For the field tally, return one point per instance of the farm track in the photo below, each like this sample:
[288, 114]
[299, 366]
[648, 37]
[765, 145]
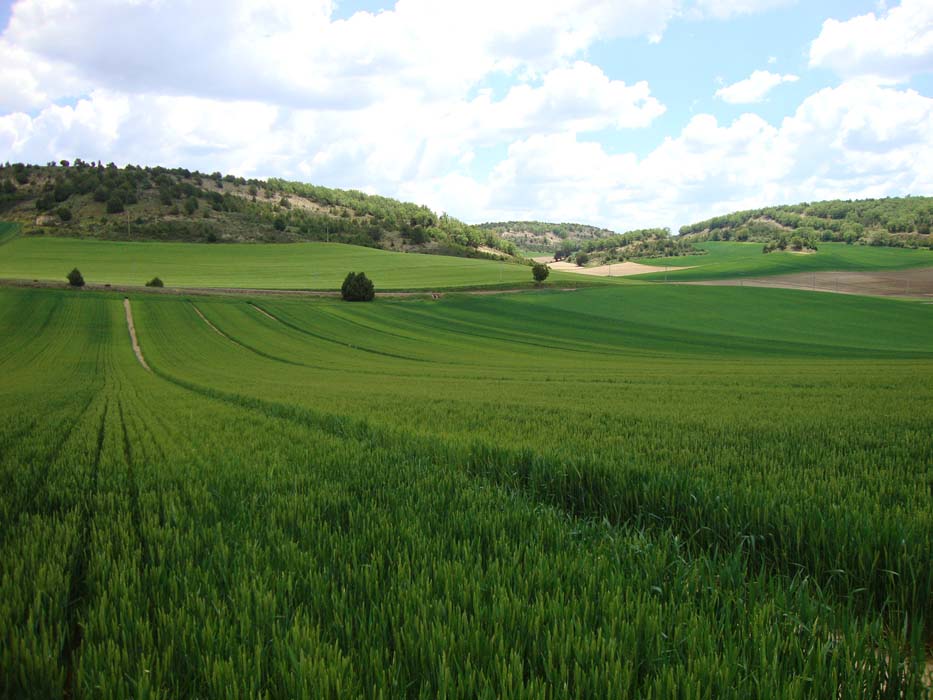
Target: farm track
[261, 292]
[245, 346]
[132, 329]
[326, 339]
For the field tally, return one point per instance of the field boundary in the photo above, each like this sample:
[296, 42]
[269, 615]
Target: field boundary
[910, 283]
[436, 293]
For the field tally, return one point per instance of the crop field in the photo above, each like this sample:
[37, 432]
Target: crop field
[258, 266]
[635, 491]
[729, 259]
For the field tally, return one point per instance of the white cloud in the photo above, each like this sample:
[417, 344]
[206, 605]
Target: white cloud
[397, 103]
[292, 53]
[577, 98]
[754, 88]
[855, 140]
[726, 9]
[893, 45]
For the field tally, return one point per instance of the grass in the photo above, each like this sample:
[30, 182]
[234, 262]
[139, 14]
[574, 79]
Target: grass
[636, 491]
[724, 260]
[319, 266]
[8, 231]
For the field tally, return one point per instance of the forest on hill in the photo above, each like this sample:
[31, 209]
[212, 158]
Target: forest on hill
[903, 222]
[543, 236]
[92, 200]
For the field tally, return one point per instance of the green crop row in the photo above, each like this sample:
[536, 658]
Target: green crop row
[454, 500]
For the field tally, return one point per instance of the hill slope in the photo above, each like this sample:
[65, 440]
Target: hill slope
[542, 236]
[316, 266]
[895, 221]
[89, 200]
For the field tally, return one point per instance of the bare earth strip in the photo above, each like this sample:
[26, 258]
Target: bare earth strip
[211, 325]
[917, 283]
[247, 291]
[133, 340]
[264, 312]
[624, 269]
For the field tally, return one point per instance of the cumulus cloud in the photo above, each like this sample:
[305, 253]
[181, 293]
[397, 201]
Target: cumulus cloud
[291, 52]
[892, 45]
[396, 103]
[725, 9]
[754, 88]
[855, 140]
[578, 98]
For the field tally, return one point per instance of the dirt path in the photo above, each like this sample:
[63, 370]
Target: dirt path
[210, 325]
[915, 284]
[129, 324]
[264, 312]
[624, 269]
[246, 292]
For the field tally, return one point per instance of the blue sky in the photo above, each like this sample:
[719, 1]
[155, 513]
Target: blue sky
[619, 113]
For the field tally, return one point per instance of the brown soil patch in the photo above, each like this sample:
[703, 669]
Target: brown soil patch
[545, 259]
[133, 340]
[489, 251]
[624, 269]
[916, 283]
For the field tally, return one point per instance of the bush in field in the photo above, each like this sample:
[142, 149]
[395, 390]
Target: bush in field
[279, 223]
[75, 278]
[582, 259]
[540, 272]
[155, 282]
[357, 287]
[64, 213]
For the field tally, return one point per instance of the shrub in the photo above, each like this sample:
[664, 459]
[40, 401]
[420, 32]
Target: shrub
[357, 287]
[191, 205]
[582, 259]
[75, 279]
[540, 272]
[115, 204]
[155, 282]
[45, 202]
[64, 213]
[279, 223]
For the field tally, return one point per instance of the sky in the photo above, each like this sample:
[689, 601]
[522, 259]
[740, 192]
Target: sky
[618, 113]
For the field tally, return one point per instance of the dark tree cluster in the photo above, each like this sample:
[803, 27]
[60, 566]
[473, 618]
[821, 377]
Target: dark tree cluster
[357, 287]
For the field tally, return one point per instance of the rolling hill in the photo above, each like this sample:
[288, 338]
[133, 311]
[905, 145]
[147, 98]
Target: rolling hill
[544, 237]
[91, 200]
[901, 222]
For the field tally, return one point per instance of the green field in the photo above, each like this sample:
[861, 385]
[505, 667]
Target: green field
[635, 491]
[724, 260]
[320, 266]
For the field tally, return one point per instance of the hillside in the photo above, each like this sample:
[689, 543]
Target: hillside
[544, 237]
[901, 222]
[91, 200]
[293, 266]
